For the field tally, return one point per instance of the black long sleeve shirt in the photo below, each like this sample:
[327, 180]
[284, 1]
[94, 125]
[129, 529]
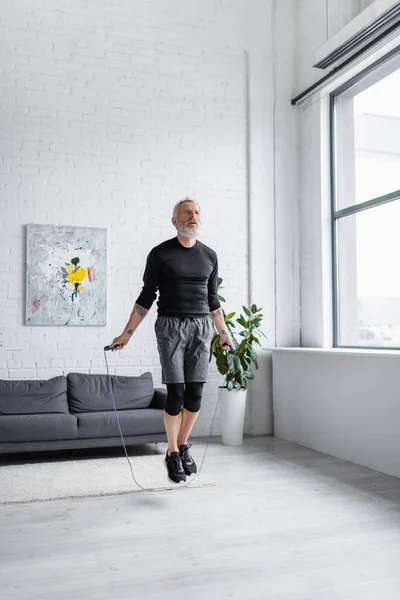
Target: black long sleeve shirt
[186, 279]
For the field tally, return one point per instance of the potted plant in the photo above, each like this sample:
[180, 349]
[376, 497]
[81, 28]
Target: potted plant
[237, 369]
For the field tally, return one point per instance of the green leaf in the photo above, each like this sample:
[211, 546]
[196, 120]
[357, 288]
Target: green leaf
[242, 321]
[220, 280]
[230, 316]
[223, 369]
[253, 309]
[229, 385]
[221, 298]
[246, 310]
[236, 363]
[215, 344]
[237, 385]
[253, 354]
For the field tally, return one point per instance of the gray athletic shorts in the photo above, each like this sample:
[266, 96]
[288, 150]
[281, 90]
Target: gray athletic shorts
[184, 347]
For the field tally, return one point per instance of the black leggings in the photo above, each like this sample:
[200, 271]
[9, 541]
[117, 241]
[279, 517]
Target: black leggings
[187, 395]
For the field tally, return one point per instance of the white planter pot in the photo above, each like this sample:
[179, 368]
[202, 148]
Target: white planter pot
[232, 409]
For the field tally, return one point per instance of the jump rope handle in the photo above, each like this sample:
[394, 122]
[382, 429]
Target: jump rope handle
[107, 348]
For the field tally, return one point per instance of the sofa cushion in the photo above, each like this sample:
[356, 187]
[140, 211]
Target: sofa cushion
[32, 428]
[90, 393]
[133, 422]
[32, 396]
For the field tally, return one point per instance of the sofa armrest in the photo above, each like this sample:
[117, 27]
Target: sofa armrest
[159, 399]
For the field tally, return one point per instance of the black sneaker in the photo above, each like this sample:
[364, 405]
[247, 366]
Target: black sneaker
[188, 463]
[174, 467]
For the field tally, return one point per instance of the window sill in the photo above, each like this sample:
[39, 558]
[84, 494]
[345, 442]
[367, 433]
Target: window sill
[342, 351]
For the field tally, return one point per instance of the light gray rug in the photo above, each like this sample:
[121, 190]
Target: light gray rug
[84, 478]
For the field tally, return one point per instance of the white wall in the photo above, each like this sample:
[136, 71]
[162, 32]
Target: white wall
[342, 403]
[114, 109]
[259, 410]
[286, 181]
[111, 111]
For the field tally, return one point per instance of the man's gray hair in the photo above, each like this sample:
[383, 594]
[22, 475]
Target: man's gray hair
[177, 205]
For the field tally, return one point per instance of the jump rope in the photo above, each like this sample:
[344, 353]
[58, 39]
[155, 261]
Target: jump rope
[178, 485]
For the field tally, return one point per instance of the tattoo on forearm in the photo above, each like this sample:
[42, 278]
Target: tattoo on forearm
[223, 331]
[130, 331]
[216, 313]
[142, 312]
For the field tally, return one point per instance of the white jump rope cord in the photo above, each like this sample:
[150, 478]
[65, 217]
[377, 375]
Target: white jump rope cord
[178, 485]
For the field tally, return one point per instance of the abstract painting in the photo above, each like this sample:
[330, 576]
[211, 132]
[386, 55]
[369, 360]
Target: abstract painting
[66, 275]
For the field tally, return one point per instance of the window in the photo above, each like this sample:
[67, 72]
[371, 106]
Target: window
[365, 118]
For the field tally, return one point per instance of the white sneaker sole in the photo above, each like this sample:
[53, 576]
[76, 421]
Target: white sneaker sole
[191, 475]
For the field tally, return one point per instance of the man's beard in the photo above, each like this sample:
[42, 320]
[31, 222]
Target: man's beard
[188, 232]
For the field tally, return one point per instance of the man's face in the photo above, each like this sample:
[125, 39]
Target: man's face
[188, 220]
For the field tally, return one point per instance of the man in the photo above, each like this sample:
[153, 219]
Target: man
[185, 273]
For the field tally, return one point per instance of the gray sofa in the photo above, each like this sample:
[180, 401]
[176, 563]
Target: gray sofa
[75, 411]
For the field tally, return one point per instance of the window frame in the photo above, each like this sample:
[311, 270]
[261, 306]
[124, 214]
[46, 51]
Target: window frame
[373, 71]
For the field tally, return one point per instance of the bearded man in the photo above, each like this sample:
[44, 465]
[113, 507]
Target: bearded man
[184, 272]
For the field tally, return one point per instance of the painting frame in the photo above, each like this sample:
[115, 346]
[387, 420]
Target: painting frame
[66, 276]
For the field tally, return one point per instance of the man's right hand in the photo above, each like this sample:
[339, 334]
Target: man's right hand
[120, 342]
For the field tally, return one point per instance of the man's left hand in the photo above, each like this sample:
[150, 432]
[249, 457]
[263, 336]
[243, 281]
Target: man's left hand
[225, 341]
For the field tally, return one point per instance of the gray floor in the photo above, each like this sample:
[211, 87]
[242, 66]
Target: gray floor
[283, 523]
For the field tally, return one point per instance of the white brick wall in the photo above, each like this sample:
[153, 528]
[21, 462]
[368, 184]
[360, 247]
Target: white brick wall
[111, 110]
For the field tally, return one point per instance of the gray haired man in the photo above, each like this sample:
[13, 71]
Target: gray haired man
[184, 272]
